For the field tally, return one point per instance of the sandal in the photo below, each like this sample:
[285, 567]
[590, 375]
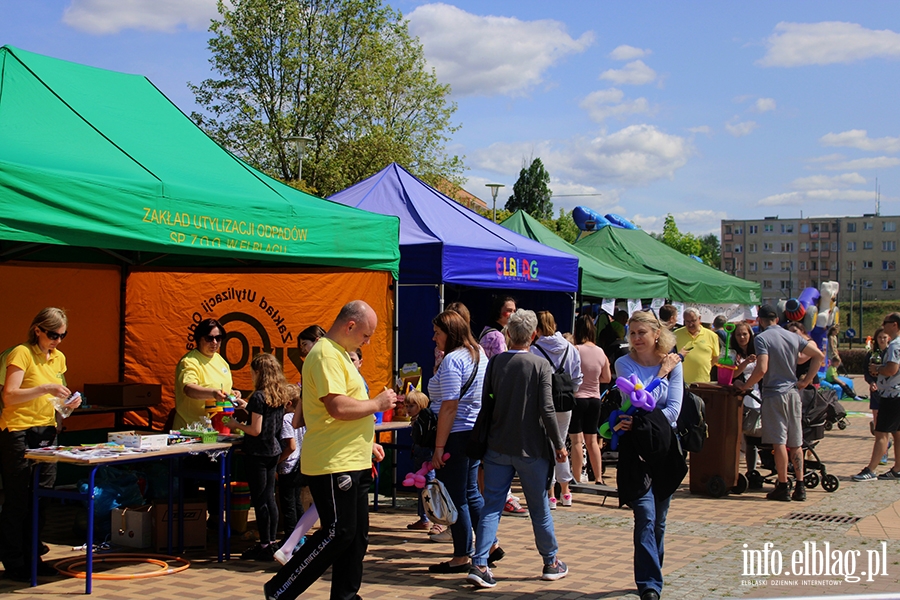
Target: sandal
[446, 567]
[419, 525]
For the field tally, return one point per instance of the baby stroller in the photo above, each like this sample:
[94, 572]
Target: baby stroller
[834, 413]
[816, 407]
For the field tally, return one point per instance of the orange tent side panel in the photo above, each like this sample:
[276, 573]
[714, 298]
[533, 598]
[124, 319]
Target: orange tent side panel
[90, 296]
[261, 312]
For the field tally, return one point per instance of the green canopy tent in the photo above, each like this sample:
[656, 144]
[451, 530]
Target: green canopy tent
[598, 278]
[103, 181]
[96, 159]
[689, 280]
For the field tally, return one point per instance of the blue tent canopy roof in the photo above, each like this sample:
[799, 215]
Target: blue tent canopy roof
[441, 241]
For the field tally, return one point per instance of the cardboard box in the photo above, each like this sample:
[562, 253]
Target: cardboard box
[123, 394]
[194, 525]
[139, 440]
[132, 527]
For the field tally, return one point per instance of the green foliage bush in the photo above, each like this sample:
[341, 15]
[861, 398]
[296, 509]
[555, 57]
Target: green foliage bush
[854, 360]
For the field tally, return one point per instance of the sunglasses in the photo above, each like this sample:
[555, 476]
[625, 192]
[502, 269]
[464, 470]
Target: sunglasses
[212, 338]
[52, 335]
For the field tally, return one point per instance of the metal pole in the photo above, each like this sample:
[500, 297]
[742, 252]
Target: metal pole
[850, 319]
[299, 163]
[860, 306]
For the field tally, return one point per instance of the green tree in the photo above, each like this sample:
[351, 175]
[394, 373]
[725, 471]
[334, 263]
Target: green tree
[706, 247]
[531, 192]
[710, 250]
[345, 73]
[564, 226]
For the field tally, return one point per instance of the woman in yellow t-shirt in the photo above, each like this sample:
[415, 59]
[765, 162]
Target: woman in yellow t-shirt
[35, 375]
[202, 374]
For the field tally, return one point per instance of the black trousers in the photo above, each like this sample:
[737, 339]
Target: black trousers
[342, 500]
[289, 485]
[261, 478]
[15, 518]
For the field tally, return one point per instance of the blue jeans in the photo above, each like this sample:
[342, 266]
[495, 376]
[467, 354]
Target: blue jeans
[419, 456]
[649, 548]
[460, 476]
[499, 470]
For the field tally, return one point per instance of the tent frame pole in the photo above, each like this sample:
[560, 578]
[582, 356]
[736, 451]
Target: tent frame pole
[396, 289]
[440, 298]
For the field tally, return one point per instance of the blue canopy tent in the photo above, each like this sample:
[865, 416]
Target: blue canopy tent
[450, 253]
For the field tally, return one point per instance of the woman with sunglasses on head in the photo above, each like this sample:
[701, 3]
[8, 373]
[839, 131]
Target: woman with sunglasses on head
[35, 376]
[202, 374]
[651, 465]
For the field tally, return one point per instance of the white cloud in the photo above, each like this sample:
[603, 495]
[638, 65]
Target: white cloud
[602, 104]
[633, 156]
[765, 104]
[878, 162]
[698, 222]
[826, 158]
[740, 129]
[488, 55]
[823, 195]
[824, 181]
[859, 139]
[825, 43]
[625, 52]
[634, 73]
[102, 17]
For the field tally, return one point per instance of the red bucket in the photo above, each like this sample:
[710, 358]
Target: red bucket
[218, 425]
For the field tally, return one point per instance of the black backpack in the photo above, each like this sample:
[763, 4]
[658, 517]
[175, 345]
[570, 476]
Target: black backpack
[563, 388]
[691, 424]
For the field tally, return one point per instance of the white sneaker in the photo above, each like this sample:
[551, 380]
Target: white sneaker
[567, 500]
[444, 537]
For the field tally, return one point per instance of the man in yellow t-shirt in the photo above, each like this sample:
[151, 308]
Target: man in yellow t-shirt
[698, 345]
[337, 457]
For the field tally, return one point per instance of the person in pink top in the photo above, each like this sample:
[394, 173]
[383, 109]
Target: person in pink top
[492, 340]
[586, 414]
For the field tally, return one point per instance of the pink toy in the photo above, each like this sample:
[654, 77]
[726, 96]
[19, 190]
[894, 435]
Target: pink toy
[417, 479]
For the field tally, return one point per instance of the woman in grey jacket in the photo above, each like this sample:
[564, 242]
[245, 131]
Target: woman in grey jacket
[552, 346]
[523, 439]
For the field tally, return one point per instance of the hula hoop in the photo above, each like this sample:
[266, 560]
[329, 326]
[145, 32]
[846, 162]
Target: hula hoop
[66, 565]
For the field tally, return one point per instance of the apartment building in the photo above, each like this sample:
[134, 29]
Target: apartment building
[787, 255]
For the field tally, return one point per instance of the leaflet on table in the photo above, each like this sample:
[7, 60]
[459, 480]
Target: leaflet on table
[89, 450]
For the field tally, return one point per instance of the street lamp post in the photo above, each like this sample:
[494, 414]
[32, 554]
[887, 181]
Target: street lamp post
[495, 187]
[300, 142]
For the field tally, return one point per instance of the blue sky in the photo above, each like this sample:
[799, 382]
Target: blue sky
[705, 110]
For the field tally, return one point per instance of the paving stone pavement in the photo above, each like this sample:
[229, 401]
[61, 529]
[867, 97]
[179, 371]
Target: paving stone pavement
[705, 548]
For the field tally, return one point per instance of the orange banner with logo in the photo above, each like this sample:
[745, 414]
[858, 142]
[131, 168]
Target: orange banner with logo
[261, 312]
[90, 296]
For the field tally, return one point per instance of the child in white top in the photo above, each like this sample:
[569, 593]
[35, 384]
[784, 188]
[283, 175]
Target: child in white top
[290, 479]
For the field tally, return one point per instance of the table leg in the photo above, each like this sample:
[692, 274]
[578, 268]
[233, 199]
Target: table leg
[173, 465]
[35, 497]
[220, 518]
[377, 478]
[227, 483]
[89, 565]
